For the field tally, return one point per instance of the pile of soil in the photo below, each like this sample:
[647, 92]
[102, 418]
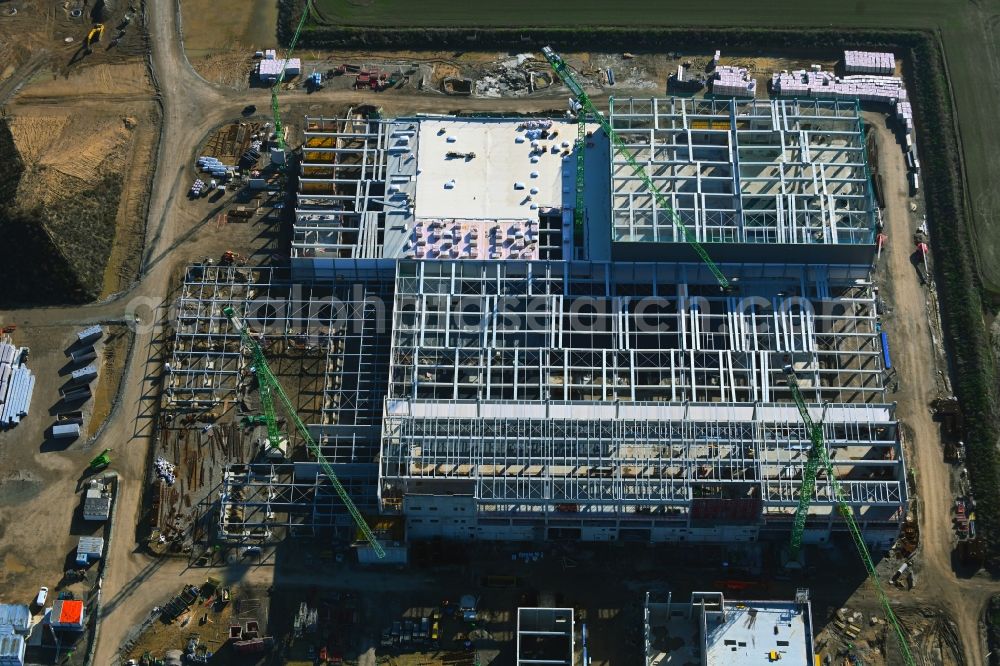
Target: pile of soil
[54, 251]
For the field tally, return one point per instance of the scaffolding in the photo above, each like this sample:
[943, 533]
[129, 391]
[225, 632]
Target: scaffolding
[779, 172]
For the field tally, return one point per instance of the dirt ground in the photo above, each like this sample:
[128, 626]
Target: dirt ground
[112, 365]
[77, 118]
[43, 28]
[913, 324]
[208, 619]
[40, 477]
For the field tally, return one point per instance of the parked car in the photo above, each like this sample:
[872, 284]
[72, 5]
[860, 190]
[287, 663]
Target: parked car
[467, 605]
[397, 631]
[407, 631]
[43, 594]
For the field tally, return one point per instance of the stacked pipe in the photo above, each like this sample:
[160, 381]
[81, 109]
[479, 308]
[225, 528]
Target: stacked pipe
[17, 384]
[165, 471]
[212, 165]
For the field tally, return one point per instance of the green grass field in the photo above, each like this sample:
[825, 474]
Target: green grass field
[970, 31]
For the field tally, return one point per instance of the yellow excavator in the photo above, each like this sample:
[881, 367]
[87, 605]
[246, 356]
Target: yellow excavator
[94, 36]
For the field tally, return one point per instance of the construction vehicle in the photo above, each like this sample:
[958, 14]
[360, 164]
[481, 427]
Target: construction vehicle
[230, 258]
[587, 108]
[258, 419]
[820, 457]
[101, 462]
[94, 36]
[269, 387]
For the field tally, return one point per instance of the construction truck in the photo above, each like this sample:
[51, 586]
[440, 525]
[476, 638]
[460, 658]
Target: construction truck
[94, 36]
[101, 462]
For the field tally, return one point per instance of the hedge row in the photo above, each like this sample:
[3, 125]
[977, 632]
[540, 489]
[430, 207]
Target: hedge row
[968, 344]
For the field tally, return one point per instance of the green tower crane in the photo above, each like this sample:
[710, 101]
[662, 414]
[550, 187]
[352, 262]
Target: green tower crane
[588, 108]
[276, 88]
[820, 457]
[579, 214]
[269, 388]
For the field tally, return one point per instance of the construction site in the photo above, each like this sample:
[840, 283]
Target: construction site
[496, 330]
[478, 358]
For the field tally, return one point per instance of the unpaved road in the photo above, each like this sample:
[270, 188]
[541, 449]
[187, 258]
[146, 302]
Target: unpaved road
[190, 108]
[914, 355]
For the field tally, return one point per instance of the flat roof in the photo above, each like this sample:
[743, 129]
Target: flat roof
[545, 636]
[753, 629]
[68, 611]
[484, 186]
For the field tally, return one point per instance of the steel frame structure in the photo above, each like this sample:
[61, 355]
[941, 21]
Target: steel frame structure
[336, 333]
[357, 189]
[262, 502]
[340, 211]
[503, 331]
[497, 393]
[743, 171]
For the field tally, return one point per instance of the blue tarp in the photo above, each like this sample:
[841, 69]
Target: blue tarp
[885, 351]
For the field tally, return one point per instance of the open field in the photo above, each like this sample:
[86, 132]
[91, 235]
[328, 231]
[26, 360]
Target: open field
[970, 32]
[220, 37]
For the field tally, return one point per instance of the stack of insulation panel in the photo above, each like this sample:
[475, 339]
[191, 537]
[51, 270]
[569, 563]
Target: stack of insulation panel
[270, 68]
[735, 81]
[866, 87]
[904, 114]
[869, 62]
[16, 385]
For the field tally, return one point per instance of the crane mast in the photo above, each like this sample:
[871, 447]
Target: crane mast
[276, 88]
[269, 387]
[818, 456]
[588, 108]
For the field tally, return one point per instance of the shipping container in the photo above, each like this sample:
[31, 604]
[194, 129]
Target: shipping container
[90, 334]
[84, 374]
[83, 355]
[66, 430]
